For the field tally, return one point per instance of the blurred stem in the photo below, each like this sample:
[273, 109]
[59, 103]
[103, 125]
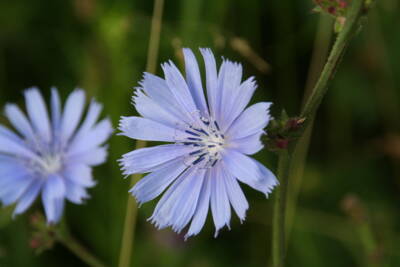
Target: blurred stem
[369, 244]
[321, 49]
[308, 112]
[64, 237]
[128, 236]
[319, 55]
[131, 207]
[278, 234]
[154, 42]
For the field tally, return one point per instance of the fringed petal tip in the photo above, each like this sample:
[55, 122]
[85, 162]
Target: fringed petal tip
[271, 187]
[122, 124]
[124, 168]
[133, 193]
[157, 224]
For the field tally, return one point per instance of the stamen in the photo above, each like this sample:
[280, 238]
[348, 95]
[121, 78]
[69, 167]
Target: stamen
[216, 125]
[208, 138]
[202, 155]
[192, 133]
[195, 152]
[198, 160]
[194, 139]
[201, 131]
[205, 121]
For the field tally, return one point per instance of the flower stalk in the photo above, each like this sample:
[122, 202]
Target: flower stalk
[81, 252]
[131, 207]
[279, 225]
[320, 54]
[45, 236]
[350, 27]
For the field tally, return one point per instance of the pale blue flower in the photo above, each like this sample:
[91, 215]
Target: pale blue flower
[211, 141]
[51, 155]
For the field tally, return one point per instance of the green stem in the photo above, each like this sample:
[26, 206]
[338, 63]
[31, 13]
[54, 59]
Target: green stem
[128, 236]
[278, 234]
[308, 112]
[369, 244]
[319, 56]
[131, 207]
[155, 33]
[320, 53]
[344, 37]
[63, 236]
[75, 247]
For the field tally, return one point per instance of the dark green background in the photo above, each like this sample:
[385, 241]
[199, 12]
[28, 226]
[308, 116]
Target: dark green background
[101, 45]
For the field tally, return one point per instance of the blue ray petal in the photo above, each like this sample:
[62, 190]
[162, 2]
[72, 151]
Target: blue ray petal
[221, 210]
[38, 114]
[249, 171]
[153, 184]
[254, 119]
[194, 80]
[72, 114]
[53, 195]
[147, 159]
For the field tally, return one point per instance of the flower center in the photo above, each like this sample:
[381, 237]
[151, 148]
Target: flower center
[50, 164]
[208, 139]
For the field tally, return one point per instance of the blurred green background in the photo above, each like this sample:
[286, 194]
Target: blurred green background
[348, 199]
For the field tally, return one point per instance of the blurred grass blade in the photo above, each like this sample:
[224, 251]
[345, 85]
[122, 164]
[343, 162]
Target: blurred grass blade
[131, 207]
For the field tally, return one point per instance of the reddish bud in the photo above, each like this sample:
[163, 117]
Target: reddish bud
[294, 123]
[282, 143]
[342, 4]
[34, 243]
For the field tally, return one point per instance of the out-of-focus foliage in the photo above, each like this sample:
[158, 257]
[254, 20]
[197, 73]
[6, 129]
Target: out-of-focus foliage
[101, 45]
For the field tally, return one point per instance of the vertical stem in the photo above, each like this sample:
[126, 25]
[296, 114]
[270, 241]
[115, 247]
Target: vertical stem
[320, 52]
[349, 29]
[319, 55]
[309, 111]
[131, 207]
[128, 236]
[369, 244]
[278, 234]
[154, 43]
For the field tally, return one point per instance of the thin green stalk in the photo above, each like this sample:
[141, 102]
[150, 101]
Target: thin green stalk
[131, 207]
[128, 236]
[154, 43]
[370, 247]
[278, 227]
[322, 43]
[349, 29]
[320, 53]
[63, 236]
[308, 112]
[81, 252]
